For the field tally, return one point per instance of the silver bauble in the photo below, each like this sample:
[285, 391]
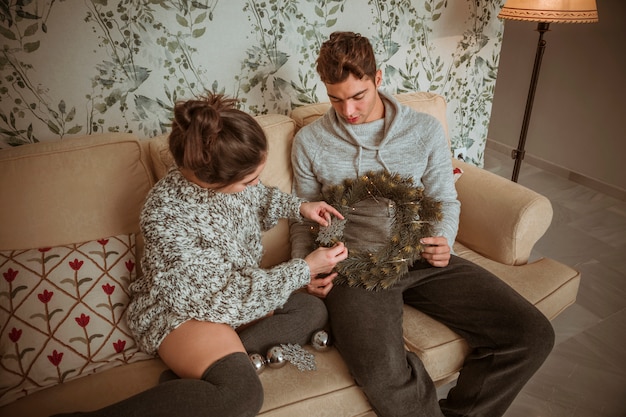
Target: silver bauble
[276, 357]
[258, 362]
[320, 340]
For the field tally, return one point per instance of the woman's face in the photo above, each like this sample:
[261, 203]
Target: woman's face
[236, 187]
[249, 180]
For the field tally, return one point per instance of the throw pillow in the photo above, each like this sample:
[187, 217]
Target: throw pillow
[63, 313]
[457, 173]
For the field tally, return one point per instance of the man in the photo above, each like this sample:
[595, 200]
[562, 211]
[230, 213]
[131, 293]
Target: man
[368, 130]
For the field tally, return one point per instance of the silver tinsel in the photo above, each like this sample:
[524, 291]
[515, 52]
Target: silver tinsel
[300, 358]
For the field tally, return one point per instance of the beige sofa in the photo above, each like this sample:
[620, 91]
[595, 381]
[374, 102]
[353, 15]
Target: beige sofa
[84, 189]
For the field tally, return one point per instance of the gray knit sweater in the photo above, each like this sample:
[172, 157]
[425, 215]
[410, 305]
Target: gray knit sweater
[202, 256]
[406, 142]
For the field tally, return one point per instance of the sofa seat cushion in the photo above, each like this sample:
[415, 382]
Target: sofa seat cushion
[441, 350]
[89, 393]
[62, 313]
[553, 286]
[552, 289]
[288, 391]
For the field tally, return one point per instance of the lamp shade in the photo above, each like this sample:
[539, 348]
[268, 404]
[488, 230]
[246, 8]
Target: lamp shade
[551, 11]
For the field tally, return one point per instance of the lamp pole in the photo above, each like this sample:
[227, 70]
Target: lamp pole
[518, 154]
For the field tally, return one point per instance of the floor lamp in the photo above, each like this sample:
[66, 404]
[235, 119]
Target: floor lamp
[544, 12]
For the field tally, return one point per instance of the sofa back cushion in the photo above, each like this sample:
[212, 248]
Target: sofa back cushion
[71, 190]
[421, 101]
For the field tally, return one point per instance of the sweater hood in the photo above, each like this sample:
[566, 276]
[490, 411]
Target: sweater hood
[344, 131]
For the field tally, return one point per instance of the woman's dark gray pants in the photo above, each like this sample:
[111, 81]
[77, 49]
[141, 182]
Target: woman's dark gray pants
[509, 338]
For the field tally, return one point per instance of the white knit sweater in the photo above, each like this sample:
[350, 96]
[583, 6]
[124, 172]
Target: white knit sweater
[202, 255]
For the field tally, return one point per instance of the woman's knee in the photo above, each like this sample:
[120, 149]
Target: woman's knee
[239, 386]
[310, 306]
[317, 310]
[246, 396]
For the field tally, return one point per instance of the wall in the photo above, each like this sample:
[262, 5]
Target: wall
[577, 123]
[81, 67]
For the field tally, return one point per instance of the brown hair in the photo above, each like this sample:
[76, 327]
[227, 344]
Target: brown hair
[346, 53]
[217, 142]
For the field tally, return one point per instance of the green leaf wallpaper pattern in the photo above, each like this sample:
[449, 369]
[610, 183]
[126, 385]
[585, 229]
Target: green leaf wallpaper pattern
[75, 68]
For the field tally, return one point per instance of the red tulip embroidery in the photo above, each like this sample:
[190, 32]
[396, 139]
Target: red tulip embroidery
[55, 358]
[119, 348]
[130, 265]
[45, 296]
[108, 288]
[82, 321]
[10, 274]
[119, 345]
[15, 334]
[76, 264]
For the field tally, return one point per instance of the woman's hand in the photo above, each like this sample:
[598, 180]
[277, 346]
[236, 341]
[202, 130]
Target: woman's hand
[319, 211]
[321, 263]
[436, 250]
[320, 287]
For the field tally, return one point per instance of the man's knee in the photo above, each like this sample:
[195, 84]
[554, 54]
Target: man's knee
[541, 338]
[531, 341]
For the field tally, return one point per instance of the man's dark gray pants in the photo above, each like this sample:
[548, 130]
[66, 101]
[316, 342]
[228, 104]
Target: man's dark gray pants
[509, 338]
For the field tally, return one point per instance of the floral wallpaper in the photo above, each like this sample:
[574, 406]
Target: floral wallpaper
[73, 68]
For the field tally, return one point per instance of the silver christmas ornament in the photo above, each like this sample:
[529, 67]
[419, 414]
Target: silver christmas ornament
[320, 340]
[276, 357]
[258, 362]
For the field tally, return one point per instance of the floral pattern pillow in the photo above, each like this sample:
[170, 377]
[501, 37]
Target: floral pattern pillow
[63, 313]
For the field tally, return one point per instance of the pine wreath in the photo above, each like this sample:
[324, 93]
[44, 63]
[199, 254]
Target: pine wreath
[415, 215]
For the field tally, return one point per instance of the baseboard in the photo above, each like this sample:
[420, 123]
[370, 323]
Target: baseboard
[576, 177]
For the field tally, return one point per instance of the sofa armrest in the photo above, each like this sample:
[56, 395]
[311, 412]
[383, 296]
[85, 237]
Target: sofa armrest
[500, 219]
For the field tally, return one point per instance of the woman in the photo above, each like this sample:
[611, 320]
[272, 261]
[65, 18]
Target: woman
[202, 281]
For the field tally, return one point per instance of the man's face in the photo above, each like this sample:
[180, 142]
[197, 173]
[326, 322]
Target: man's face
[357, 100]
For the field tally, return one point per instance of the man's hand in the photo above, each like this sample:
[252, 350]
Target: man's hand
[319, 211]
[436, 250]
